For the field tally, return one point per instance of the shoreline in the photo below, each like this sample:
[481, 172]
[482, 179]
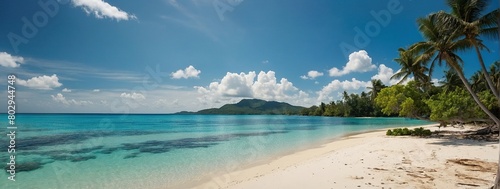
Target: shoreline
[294, 167]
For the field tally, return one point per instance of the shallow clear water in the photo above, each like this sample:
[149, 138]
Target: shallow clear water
[150, 151]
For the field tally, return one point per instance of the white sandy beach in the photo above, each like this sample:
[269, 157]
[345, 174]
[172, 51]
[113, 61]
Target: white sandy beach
[374, 160]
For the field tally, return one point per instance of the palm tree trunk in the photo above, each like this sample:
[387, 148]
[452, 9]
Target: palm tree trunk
[487, 75]
[485, 110]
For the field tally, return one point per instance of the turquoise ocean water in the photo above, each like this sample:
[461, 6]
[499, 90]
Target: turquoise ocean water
[151, 151]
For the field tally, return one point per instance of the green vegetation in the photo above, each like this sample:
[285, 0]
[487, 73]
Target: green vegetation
[408, 132]
[253, 107]
[453, 105]
[351, 105]
[405, 101]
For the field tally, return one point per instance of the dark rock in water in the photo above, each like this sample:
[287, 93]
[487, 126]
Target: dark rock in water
[72, 158]
[129, 146]
[27, 166]
[86, 150]
[61, 157]
[154, 150]
[82, 158]
[108, 150]
[33, 143]
[132, 155]
[156, 146]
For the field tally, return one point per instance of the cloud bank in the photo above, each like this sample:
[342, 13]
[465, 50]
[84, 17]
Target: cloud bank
[61, 99]
[264, 86]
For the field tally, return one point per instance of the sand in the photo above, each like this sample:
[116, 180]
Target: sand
[374, 160]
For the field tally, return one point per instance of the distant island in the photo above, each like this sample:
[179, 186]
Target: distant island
[251, 107]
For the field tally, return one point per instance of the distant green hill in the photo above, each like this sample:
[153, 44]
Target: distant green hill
[252, 107]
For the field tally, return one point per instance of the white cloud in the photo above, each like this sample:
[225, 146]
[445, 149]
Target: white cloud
[190, 71]
[436, 82]
[313, 74]
[233, 84]
[41, 82]
[66, 90]
[384, 74]
[61, 99]
[358, 62]
[133, 96]
[133, 100]
[250, 85]
[340, 86]
[102, 9]
[7, 60]
[265, 62]
[96, 90]
[267, 87]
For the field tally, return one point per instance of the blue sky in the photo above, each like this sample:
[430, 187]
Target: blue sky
[172, 55]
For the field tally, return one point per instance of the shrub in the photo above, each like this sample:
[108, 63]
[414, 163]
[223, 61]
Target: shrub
[426, 132]
[406, 132]
[388, 133]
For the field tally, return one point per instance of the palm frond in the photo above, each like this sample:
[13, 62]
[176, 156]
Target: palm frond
[462, 45]
[491, 33]
[399, 75]
[489, 20]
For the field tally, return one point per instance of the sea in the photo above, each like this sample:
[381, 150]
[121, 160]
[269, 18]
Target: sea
[159, 151]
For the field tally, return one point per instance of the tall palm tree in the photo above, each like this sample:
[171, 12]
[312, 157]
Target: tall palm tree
[495, 75]
[468, 17]
[376, 87]
[442, 43]
[477, 82]
[410, 65]
[451, 81]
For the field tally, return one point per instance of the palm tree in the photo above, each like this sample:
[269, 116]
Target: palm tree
[410, 65]
[451, 81]
[495, 75]
[477, 82]
[467, 16]
[376, 87]
[442, 43]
